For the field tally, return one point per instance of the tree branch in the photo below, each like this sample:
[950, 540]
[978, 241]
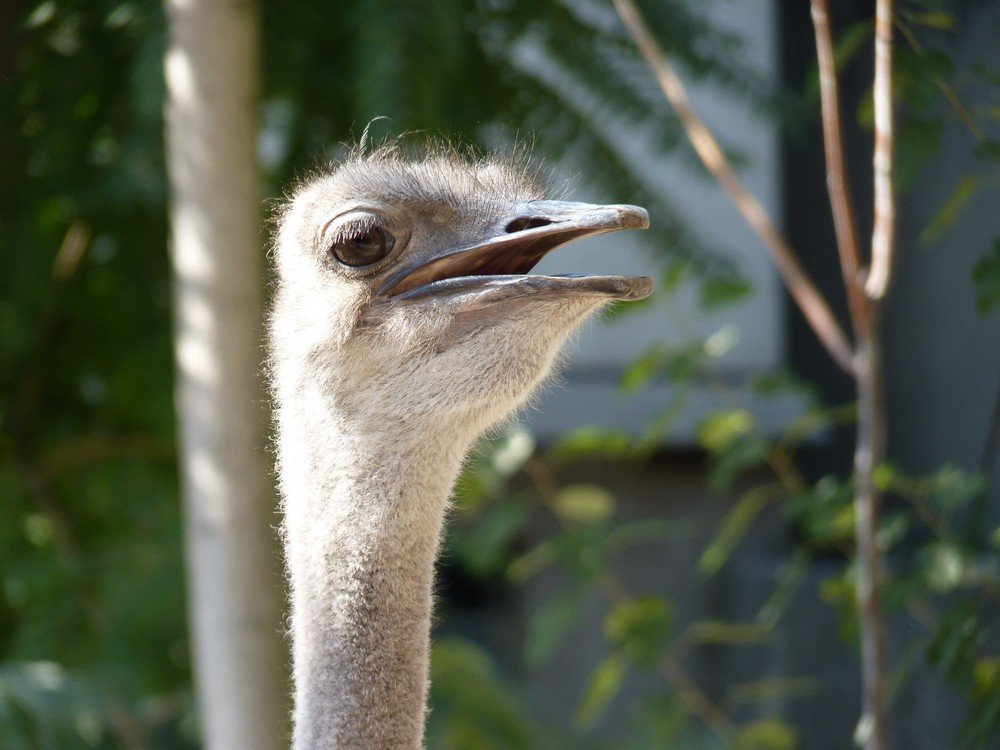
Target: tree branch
[837, 181]
[864, 303]
[883, 235]
[805, 293]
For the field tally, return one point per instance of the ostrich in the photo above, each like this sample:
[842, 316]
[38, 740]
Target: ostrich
[404, 326]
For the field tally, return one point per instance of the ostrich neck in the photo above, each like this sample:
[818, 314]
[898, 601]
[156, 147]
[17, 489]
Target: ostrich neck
[363, 520]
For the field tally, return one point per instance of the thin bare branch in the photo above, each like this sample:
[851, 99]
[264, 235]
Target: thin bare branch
[805, 293]
[883, 235]
[837, 180]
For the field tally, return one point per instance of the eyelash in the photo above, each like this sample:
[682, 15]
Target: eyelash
[353, 228]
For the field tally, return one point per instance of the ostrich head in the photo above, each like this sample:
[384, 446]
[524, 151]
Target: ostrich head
[404, 287]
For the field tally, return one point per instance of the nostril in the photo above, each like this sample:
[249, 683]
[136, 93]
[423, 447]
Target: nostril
[527, 222]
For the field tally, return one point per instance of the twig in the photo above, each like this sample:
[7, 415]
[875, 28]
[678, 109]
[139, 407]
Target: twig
[805, 293]
[883, 235]
[943, 85]
[697, 702]
[837, 181]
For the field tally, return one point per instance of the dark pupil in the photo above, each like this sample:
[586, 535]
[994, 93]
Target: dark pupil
[364, 249]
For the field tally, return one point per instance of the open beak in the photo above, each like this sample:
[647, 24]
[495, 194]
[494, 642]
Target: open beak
[497, 268]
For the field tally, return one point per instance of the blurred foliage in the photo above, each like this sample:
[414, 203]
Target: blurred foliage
[92, 645]
[943, 578]
[93, 651]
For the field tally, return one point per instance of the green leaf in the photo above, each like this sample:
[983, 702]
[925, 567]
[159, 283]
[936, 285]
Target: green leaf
[590, 442]
[533, 561]
[851, 42]
[826, 514]
[766, 734]
[886, 476]
[946, 566]
[640, 627]
[720, 430]
[952, 487]
[758, 691]
[674, 275]
[722, 290]
[949, 213]
[585, 504]
[734, 527]
[748, 453]
[892, 529]
[990, 149]
[941, 20]
[549, 624]
[473, 706]
[986, 275]
[581, 548]
[722, 633]
[605, 683]
[644, 369]
[484, 547]
[957, 641]
[658, 722]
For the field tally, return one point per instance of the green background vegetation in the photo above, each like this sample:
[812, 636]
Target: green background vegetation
[93, 650]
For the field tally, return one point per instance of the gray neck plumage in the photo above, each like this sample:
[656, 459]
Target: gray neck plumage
[363, 521]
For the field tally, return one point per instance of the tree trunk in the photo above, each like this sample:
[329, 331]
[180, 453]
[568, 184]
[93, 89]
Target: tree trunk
[234, 579]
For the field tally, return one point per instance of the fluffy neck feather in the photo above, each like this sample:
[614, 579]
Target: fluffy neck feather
[364, 511]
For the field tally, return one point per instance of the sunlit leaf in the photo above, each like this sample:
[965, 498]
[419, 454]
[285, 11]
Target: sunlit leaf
[720, 430]
[605, 683]
[590, 442]
[766, 734]
[940, 19]
[584, 503]
[946, 566]
[640, 627]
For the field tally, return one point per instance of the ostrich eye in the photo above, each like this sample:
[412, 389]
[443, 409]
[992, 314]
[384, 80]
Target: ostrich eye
[362, 248]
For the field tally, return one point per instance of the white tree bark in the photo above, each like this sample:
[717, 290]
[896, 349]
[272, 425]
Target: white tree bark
[234, 578]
